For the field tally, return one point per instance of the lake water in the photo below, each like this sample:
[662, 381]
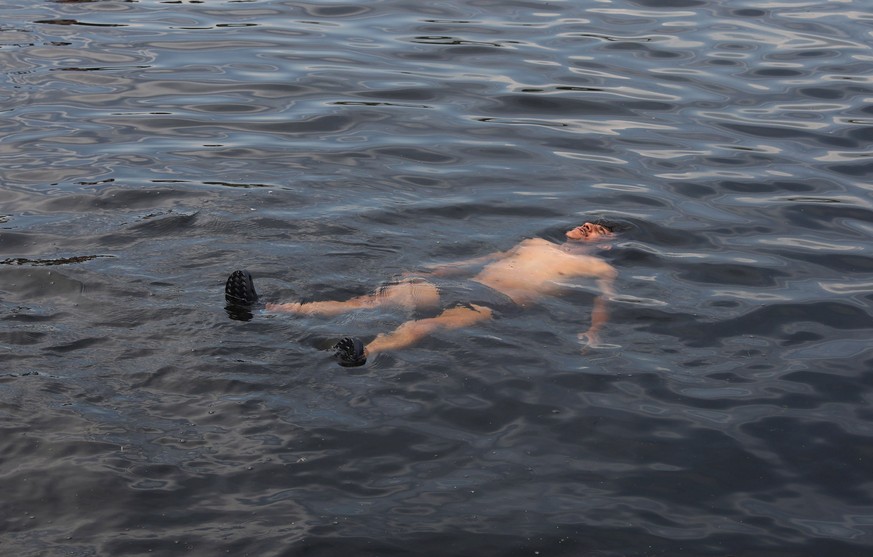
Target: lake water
[149, 148]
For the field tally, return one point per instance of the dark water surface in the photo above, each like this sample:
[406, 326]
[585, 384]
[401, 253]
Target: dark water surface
[148, 148]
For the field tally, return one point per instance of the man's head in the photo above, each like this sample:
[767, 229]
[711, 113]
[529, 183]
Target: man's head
[589, 232]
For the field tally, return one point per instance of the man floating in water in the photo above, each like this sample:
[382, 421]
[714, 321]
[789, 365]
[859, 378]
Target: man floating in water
[506, 281]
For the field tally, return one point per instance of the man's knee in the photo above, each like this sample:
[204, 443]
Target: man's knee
[485, 312]
[465, 315]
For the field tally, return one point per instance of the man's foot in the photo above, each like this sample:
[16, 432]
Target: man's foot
[240, 295]
[240, 289]
[349, 352]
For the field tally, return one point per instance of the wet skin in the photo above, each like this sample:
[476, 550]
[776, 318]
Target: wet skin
[527, 272]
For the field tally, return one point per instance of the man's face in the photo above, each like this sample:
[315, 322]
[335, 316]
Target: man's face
[588, 232]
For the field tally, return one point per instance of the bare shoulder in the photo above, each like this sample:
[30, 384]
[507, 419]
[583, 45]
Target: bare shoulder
[592, 266]
[530, 248]
[535, 243]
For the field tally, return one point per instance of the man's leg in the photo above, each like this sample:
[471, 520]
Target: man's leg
[412, 331]
[408, 294]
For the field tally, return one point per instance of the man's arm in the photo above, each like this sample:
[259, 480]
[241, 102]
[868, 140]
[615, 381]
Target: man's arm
[599, 313]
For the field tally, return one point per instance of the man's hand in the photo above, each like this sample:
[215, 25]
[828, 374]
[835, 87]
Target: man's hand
[588, 339]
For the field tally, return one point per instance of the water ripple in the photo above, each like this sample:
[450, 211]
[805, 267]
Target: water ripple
[147, 148]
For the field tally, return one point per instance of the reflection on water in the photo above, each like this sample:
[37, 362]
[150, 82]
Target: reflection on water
[149, 148]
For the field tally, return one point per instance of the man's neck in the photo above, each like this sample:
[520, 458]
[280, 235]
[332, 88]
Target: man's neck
[575, 247]
[583, 247]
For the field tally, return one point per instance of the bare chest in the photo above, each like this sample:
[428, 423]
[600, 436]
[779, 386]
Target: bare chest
[536, 263]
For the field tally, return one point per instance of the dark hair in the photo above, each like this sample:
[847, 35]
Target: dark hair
[613, 225]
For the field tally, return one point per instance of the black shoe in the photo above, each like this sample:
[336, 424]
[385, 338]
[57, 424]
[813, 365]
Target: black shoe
[240, 295]
[240, 289]
[349, 352]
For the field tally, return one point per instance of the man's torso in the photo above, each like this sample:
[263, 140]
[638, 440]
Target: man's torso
[533, 268]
